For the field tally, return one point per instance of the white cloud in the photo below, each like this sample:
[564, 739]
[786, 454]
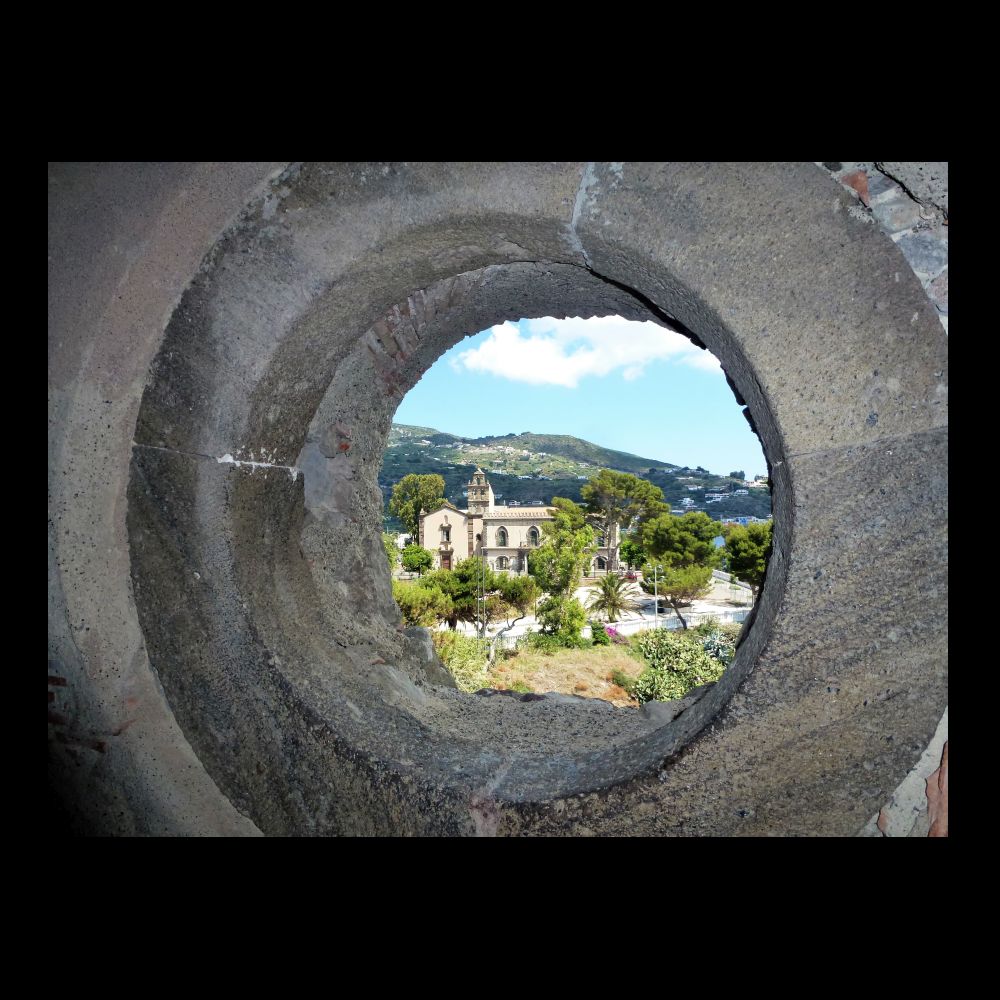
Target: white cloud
[704, 361]
[563, 351]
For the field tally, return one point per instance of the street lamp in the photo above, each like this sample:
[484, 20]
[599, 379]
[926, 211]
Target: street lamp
[656, 596]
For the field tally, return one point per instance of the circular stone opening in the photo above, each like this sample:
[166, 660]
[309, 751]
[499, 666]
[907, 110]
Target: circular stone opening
[594, 394]
[255, 515]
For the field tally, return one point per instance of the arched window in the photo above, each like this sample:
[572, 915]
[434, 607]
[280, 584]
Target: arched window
[533, 536]
[601, 563]
[502, 537]
[501, 561]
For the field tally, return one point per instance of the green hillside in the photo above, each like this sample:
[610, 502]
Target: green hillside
[526, 467]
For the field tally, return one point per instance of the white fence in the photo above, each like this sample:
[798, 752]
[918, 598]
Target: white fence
[633, 625]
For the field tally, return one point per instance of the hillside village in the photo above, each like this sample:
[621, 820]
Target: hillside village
[530, 469]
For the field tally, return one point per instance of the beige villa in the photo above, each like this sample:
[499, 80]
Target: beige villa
[504, 535]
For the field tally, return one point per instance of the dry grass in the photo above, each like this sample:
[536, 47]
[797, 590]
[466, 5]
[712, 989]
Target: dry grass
[584, 672]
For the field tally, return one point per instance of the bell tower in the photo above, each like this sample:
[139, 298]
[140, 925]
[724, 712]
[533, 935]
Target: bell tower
[480, 493]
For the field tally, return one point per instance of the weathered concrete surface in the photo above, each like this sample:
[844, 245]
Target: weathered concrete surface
[124, 241]
[262, 588]
[927, 182]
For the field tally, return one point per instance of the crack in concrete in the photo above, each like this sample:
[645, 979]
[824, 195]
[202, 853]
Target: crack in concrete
[226, 459]
[909, 193]
[891, 440]
[587, 180]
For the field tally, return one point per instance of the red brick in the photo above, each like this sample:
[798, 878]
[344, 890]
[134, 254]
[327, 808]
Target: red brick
[858, 181]
[937, 798]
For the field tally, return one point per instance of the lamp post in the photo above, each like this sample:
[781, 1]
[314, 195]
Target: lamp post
[481, 601]
[656, 596]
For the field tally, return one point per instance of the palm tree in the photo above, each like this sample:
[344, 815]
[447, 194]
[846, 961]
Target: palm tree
[611, 598]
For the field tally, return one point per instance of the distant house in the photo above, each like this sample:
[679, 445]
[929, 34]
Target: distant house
[502, 535]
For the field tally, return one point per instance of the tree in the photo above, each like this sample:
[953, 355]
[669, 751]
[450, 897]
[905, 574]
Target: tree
[417, 559]
[620, 499]
[748, 550]
[518, 595]
[564, 618]
[557, 565]
[738, 474]
[632, 552]
[678, 585]
[414, 493]
[391, 550]
[420, 605]
[481, 596]
[611, 598]
[684, 540]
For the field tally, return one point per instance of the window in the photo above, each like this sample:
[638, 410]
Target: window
[446, 533]
[502, 537]
[533, 536]
[501, 562]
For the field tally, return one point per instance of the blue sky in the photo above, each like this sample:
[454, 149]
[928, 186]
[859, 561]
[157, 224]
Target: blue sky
[631, 386]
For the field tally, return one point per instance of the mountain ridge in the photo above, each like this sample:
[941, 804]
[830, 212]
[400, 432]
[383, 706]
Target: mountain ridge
[530, 468]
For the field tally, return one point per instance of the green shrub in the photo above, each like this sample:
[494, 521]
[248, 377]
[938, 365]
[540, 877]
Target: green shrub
[718, 639]
[391, 549]
[731, 630]
[598, 635]
[465, 658]
[540, 642]
[675, 665]
[719, 647]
